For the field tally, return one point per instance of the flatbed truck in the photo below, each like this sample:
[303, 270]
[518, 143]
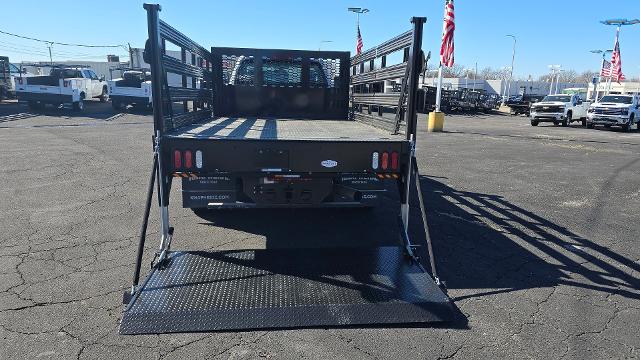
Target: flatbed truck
[270, 128]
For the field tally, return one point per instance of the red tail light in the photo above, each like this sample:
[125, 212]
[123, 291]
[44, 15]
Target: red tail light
[188, 159]
[384, 163]
[394, 160]
[177, 159]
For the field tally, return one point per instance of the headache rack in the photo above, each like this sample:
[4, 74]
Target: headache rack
[280, 288]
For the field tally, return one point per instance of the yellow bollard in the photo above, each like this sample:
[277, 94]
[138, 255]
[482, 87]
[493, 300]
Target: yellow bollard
[436, 121]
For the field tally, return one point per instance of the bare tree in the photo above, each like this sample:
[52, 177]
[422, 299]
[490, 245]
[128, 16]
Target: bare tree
[453, 72]
[569, 76]
[587, 76]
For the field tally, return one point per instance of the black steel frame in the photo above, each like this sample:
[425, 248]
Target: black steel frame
[200, 68]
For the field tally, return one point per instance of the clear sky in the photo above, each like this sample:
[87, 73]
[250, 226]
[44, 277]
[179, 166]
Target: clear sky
[548, 32]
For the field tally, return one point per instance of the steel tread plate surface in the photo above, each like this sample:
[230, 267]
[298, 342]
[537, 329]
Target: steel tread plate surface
[284, 288]
[283, 129]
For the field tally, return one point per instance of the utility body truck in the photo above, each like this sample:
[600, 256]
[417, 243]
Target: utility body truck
[132, 88]
[65, 85]
[615, 110]
[5, 78]
[559, 109]
[8, 73]
[280, 128]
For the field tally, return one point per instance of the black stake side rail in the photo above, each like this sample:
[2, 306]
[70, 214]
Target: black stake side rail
[369, 102]
[195, 63]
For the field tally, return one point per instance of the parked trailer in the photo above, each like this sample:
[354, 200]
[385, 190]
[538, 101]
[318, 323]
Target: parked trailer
[277, 135]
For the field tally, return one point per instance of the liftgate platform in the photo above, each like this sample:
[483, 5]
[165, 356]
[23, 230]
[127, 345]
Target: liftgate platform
[279, 288]
[289, 288]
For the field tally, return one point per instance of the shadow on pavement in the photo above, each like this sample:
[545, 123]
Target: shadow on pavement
[13, 111]
[482, 242]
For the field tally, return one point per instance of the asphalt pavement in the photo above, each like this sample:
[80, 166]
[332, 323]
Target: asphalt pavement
[535, 231]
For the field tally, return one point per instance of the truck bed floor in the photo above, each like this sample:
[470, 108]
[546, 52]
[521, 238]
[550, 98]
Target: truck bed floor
[284, 129]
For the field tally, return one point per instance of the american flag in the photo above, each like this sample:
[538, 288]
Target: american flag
[359, 42]
[606, 69]
[446, 50]
[616, 63]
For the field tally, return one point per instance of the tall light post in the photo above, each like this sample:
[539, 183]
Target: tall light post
[466, 77]
[504, 88]
[595, 86]
[618, 23]
[475, 76]
[323, 42]
[513, 58]
[358, 11]
[554, 69]
[558, 79]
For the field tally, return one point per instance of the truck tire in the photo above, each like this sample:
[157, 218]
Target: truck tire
[34, 105]
[567, 119]
[79, 105]
[105, 95]
[589, 125]
[584, 122]
[534, 123]
[627, 126]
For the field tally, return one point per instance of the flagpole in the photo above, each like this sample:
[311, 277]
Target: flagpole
[597, 84]
[614, 49]
[439, 88]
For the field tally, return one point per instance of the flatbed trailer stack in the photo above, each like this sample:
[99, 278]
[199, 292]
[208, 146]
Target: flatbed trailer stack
[280, 128]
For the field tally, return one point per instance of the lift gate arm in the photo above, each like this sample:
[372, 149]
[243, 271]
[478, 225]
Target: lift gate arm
[274, 288]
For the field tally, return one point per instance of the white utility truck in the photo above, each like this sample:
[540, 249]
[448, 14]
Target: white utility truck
[559, 108]
[133, 88]
[615, 110]
[65, 85]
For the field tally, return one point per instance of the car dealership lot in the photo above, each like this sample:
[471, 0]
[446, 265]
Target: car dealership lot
[535, 228]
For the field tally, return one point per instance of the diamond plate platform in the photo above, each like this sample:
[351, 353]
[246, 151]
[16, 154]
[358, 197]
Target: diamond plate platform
[284, 288]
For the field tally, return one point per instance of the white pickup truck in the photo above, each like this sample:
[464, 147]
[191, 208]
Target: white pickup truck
[133, 88]
[615, 110]
[560, 108]
[63, 86]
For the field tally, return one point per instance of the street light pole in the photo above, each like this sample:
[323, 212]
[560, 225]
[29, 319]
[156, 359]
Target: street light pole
[513, 58]
[554, 69]
[475, 76]
[597, 84]
[323, 41]
[558, 79]
[618, 23]
[358, 11]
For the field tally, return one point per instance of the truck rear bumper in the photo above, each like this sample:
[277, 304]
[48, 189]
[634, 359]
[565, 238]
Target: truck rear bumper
[251, 191]
[45, 98]
[283, 156]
